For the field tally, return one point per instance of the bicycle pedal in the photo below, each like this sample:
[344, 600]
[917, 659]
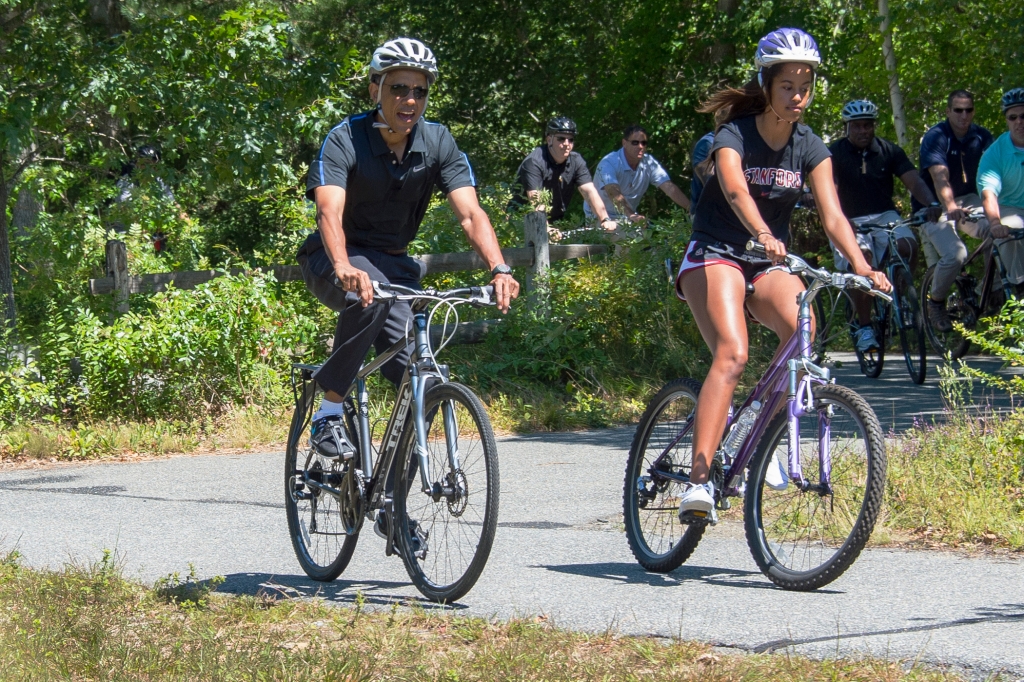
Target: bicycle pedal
[701, 517]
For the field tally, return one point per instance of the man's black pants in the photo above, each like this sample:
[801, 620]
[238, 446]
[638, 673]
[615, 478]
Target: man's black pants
[380, 324]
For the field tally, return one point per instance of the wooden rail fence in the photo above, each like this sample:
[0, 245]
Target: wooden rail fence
[537, 256]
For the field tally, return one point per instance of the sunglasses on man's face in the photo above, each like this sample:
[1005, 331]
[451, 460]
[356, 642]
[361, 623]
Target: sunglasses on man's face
[638, 143]
[1010, 118]
[963, 110]
[562, 138]
[402, 90]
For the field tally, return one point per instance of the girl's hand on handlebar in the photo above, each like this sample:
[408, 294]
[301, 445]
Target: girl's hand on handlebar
[774, 249]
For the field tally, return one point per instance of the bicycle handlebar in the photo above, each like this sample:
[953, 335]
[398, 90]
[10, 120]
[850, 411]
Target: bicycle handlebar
[839, 280]
[478, 296]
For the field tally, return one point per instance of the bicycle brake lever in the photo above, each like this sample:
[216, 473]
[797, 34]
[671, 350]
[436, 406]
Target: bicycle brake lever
[382, 290]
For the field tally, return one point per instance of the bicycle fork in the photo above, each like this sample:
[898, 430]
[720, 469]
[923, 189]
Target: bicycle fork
[800, 403]
[419, 381]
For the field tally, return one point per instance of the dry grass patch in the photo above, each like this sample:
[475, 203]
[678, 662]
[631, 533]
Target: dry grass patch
[87, 623]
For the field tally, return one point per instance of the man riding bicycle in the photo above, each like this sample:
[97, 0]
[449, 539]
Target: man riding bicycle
[863, 167]
[1001, 172]
[372, 182]
[950, 154]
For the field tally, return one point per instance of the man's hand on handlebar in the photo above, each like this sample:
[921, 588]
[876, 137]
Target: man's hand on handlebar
[999, 230]
[353, 279]
[956, 214]
[505, 289]
[933, 214]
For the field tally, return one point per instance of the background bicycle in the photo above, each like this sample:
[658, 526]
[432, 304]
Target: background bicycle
[430, 483]
[979, 290]
[806, 455]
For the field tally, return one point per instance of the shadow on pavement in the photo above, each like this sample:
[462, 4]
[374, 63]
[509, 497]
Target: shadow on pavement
[1007, 613]
[633, 574]
[369, 592]
[619, 437]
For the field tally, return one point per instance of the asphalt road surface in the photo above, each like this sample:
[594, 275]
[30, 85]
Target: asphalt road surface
[559, 551]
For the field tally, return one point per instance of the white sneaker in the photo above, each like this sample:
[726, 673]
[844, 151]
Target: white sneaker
[865, 340]
[698, 499]
[776, 477]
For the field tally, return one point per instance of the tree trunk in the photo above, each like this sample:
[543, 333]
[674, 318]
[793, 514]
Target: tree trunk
[6, 281]
[25, 212]
[899, 118]
[724, 52]
[107, 14]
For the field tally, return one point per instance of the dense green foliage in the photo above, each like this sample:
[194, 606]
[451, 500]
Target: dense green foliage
[238, 95]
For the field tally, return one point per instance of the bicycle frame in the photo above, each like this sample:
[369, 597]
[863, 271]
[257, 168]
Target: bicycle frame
[782, 383]
[993, 263]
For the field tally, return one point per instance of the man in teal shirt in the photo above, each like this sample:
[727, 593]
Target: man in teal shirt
[1001, 175]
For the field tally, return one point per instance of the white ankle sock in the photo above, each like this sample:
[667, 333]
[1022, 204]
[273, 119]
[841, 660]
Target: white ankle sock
[328, 408]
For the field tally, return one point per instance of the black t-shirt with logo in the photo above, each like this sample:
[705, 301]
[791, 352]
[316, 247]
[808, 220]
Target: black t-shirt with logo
[385, 199]
[865, 176]
[775, 180]
[539, 171]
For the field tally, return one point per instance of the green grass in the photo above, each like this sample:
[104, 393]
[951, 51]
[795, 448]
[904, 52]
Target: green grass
[959, 484]
[88, 623]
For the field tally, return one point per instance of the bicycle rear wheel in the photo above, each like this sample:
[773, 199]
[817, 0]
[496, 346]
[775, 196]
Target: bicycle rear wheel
[959, 306]
[910, 323]
[323, 541]
[662, 444]
[801, 538]
[445, 536]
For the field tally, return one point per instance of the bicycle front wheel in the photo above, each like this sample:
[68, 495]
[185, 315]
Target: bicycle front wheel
[322, 539]
[804, 536]
[445, 535]
[960, 309]
[910, 323]
[662, 447]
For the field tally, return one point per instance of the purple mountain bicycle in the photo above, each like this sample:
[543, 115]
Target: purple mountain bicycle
[807, 457]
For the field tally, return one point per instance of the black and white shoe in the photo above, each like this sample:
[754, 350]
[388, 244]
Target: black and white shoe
[328, 437]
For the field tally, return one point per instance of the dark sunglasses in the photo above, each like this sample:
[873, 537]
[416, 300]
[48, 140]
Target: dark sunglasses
[403, 90]
[562, 138]
[1013, 117]
[638, 143]
[965, 110]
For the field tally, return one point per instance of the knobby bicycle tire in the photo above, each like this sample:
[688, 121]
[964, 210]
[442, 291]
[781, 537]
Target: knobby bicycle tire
[959, 308]
[445, 539]
[802, 540]
[315, 525]
[906, 316]
[650, 509]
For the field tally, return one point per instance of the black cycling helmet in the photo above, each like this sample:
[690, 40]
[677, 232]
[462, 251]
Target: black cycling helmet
[561, 124]
[1012, 98]
[147, 151]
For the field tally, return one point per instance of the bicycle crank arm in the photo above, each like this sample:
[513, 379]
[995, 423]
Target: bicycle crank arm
[333, 492]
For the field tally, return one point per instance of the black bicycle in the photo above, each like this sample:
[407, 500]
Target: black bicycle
[430, 483]
[968, 302]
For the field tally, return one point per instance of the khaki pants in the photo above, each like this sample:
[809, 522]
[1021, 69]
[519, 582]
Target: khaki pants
[944, 249]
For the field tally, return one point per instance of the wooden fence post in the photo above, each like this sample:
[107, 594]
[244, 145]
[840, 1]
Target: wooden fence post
[117, 268]
[535, 233]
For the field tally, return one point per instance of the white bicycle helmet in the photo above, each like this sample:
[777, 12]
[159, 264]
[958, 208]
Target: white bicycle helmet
[860, 110]
[401, 53]
[1012, 98]
[785, 45]
[404, 53]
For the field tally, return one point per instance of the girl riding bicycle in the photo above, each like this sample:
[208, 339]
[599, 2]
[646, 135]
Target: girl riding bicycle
[762, 155]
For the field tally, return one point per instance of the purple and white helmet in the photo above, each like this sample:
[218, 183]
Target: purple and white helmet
[786, 45]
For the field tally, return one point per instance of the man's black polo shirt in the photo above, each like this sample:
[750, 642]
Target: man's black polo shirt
[385, 200]
[865, 176]
[539, 170]
[940, 147]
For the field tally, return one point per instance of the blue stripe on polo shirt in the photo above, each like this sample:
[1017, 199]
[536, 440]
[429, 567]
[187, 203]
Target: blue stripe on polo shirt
[320, 157]
[472, 175]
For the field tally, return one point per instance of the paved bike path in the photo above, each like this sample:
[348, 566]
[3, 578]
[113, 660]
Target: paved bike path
[559, 551]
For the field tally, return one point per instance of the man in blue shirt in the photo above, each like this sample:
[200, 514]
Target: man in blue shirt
[950, 153]
[1001, 176]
